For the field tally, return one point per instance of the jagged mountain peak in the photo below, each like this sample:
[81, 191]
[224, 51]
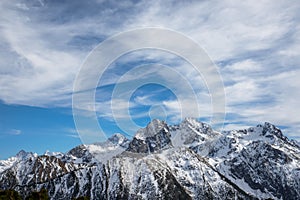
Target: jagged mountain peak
[118, 139]
[192, 132]
[151, 129]
[267, 131]
[192, 121]
[23, 154]
[198, 126]
[269, 128]
[154, 137]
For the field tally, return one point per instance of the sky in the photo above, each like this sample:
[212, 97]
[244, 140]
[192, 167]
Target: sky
[44, 44]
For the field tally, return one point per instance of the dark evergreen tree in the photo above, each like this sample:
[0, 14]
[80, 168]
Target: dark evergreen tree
[41, 195]
[9, 195]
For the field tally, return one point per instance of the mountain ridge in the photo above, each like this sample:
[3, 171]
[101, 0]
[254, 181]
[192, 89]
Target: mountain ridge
[185, 161]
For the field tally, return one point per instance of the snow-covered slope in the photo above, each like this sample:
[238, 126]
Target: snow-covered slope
[22, 155]
[184, 161]
[98, 152]
[5, 164]
[191, 132]
[261, 160]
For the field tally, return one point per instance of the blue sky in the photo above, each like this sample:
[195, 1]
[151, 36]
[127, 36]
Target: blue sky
[43, 44]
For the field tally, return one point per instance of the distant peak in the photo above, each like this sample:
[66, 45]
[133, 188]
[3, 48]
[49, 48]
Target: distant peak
[156, 124]
[269, 126]
[151, 129]
[22, 153]
[194, 122]
[117, 138]
[154, 137]
[190, 119]
[272, 129]
[117, 135]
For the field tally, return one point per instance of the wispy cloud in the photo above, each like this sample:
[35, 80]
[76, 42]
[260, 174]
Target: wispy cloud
[255, 45]
[15, 132]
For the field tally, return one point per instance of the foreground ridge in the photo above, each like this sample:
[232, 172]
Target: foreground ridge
[185, 161]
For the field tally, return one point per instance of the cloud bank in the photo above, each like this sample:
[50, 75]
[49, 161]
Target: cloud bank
[255, 46]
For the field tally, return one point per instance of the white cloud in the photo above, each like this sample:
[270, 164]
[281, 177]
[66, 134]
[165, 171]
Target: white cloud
[245, 66]
[43, 74]
[256, 46]
[73, 136]
[225, 28]
[15, 132]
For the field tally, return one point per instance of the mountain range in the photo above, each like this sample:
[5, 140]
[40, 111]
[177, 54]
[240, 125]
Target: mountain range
[185, 161]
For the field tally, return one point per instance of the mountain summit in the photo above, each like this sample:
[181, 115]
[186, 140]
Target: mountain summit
[185, 161]
[154, 137]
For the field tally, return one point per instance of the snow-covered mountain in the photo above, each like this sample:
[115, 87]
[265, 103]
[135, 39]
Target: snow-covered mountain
[184, 161]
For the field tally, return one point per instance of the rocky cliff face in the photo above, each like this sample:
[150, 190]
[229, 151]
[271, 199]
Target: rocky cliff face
[184, 161]
[154, 137]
